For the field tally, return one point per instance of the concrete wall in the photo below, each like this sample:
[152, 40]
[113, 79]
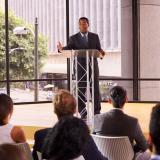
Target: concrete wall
[150, 48]
[126, 45]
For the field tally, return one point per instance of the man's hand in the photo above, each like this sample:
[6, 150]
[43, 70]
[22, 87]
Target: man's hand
[102, 53]
[59, 47]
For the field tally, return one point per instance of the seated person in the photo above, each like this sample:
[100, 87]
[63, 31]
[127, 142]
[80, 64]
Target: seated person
[65, 105]
[11, 152]
[117, 123]
[8, 132]
[67, 139]
[154, 130]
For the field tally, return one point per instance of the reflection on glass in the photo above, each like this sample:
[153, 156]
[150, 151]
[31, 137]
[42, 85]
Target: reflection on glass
[24, 91]
[106, 85]
[3, 88]
[2, 46]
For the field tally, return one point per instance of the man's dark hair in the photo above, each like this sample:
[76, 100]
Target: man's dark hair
[67, 139]
[154, 127]
[84, 19]
[118, 96]
[6, 107]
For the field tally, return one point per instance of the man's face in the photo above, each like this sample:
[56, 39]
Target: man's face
[83, 26]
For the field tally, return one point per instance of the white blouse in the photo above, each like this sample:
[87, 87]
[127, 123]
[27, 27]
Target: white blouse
[5, 134]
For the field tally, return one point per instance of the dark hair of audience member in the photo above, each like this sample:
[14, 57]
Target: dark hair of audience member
[67, 139]
[64, 104]
[154, 127]
[6, 107]
[118, 96]
[11, 152]
[84, 19]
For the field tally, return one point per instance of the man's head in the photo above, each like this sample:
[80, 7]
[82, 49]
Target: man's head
[154, 128]
[83, 24]
[118, 96]
[6, 108]
[64, 104]
[67, 139]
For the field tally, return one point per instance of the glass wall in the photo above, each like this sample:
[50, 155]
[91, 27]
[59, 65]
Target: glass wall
[36, 76]
[2, 49]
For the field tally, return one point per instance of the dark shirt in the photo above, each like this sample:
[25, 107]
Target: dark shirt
[90, 153]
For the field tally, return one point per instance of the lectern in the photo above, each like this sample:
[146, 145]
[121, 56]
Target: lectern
[89, 56]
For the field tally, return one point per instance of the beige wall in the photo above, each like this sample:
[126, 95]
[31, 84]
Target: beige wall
[150, 48]
[126, 45]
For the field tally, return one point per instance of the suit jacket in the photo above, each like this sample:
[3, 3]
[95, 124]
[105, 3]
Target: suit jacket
[90, 153]
[117, 123]
[76, 43]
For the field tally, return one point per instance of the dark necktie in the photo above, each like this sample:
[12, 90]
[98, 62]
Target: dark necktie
[85, 41]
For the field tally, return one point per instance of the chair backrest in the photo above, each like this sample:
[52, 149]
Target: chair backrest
[114, 148]
[26, 149]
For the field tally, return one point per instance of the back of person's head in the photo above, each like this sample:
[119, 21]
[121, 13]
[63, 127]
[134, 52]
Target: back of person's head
[6, 107]
[67, 139]
[154, 127]
[11, 152]
[64, 103]
[118, 96]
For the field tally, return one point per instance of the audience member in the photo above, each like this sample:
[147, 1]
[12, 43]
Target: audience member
[65, 105]
[117, 123]
[154, 130]
[67, 139]
[8, 132]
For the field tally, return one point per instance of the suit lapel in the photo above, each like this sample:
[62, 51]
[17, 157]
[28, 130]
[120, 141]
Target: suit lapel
[89, 40]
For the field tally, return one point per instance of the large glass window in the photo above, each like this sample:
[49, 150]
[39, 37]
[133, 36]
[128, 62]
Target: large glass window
[28, 68]
[2, 43]
[113, 20]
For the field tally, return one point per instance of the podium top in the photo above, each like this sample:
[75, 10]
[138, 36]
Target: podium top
[81, 53]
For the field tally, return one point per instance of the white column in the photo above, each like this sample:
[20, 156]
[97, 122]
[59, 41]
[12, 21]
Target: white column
[87, 8]
[106, 24]
[113, 23]
[93, 18]
[119, 24]
[100, 20]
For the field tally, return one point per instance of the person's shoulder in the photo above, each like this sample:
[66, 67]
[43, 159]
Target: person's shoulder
[101, 116]
[131, 118]
[93, 34]
[41, 132]
[74, 35]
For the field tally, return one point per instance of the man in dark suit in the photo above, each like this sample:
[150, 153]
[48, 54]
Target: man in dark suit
[85, 40]
[117, 123]
[154, 129]
[64, 105]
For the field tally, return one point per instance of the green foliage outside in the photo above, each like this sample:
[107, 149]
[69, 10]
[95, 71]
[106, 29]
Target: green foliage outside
[21, 61]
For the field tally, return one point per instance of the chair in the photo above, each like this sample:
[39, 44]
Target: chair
[114, 148]
[26, 149]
